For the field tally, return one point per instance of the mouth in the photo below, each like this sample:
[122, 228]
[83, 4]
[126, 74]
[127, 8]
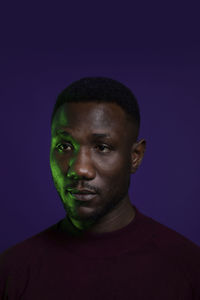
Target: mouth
[83, 197]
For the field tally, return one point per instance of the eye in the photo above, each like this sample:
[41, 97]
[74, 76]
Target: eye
[103, 146]
[62, 147]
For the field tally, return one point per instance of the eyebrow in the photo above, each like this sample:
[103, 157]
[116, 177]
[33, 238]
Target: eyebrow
[94, 135]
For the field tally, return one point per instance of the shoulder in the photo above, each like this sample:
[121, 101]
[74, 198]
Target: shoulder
[16, 260]
[178, 250]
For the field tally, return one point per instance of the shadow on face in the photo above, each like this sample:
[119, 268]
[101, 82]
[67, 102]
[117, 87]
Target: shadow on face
[92, 148]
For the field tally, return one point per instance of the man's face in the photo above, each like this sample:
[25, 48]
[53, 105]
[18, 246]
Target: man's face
[80, 159]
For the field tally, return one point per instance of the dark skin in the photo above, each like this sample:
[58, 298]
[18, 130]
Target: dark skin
[99, 164]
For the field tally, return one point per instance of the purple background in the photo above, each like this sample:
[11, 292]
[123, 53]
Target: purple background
[151, 47]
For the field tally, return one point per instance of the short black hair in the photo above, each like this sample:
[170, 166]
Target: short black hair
[101, 89]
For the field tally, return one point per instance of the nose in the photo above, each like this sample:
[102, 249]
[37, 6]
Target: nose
[81, 166]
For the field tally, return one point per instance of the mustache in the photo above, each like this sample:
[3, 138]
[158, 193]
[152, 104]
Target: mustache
[85, 186]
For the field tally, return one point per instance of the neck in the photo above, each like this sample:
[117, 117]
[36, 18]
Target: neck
[116, 219]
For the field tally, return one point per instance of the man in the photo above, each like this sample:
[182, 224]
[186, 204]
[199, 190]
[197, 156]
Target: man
[94, 148]
[104, 248]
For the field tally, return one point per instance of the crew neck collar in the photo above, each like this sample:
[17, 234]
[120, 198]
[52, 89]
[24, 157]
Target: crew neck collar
[108, 244]
[74, 233]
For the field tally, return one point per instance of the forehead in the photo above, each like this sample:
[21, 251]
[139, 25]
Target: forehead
[86, 116]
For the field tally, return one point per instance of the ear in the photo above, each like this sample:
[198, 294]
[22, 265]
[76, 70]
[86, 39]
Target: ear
[137, 154]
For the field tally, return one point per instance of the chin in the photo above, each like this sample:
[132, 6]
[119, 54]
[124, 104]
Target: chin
[83, 213]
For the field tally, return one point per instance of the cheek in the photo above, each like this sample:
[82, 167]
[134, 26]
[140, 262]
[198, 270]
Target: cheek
[115, 174]
[110, 164]
[56, 172]
[117, 163]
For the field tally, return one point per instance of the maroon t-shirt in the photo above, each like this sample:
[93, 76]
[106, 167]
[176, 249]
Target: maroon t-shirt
[144, 260]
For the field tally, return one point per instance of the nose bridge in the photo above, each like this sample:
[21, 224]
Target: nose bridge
[81, 163]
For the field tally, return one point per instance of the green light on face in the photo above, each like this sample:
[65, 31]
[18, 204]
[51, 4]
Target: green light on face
[62, 156]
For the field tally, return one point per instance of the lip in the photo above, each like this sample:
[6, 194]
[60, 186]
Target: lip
[80, 191]
[83, 197]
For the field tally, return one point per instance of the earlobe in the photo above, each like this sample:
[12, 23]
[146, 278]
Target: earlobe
[135, 164]
[137, 155]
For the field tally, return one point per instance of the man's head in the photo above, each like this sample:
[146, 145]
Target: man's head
[81, 157]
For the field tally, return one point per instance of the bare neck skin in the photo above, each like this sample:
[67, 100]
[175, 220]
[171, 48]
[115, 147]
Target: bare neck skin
[120, 218]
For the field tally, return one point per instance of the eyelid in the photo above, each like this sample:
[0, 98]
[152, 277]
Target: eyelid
[70, 142]
[98, 144]
[63, 143]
